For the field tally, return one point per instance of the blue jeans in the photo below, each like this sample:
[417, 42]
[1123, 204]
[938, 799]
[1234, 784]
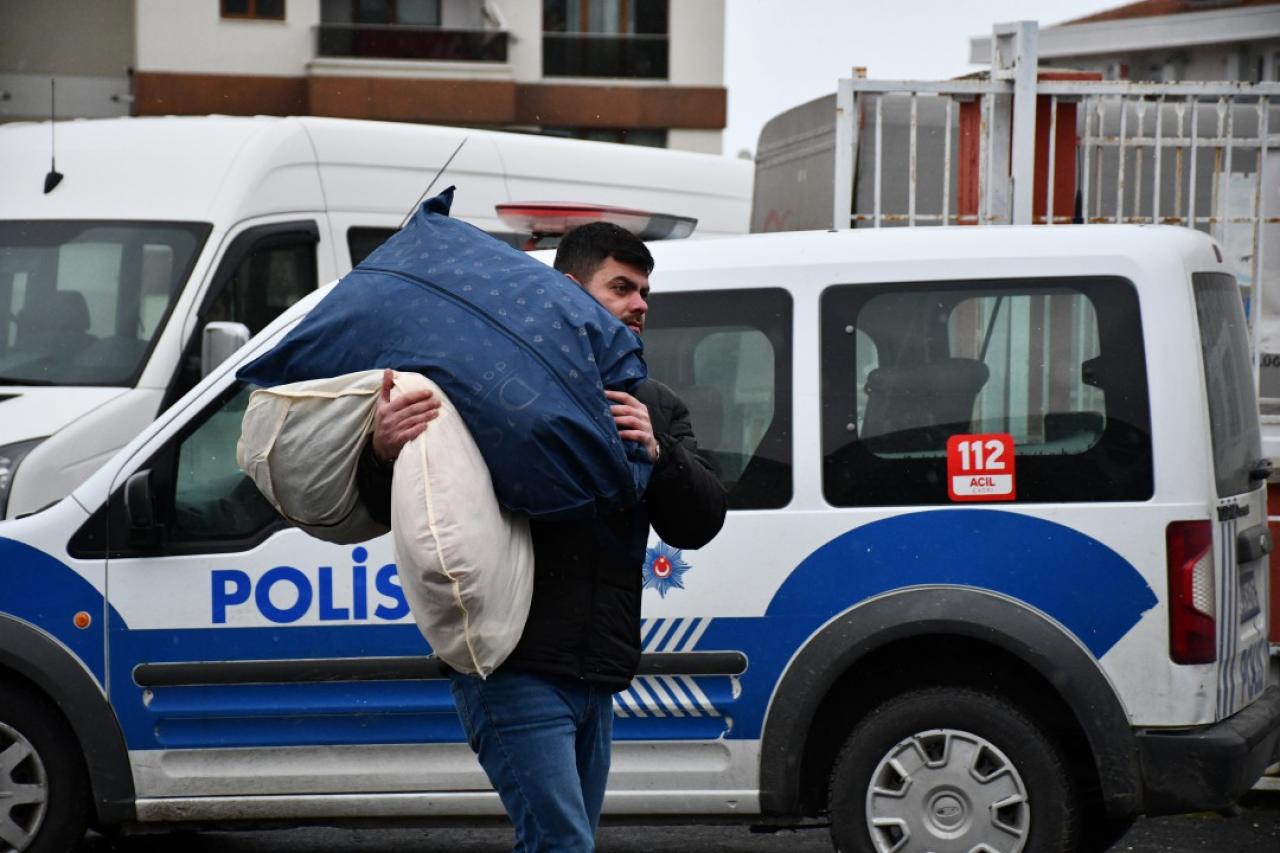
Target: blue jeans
[544, 743]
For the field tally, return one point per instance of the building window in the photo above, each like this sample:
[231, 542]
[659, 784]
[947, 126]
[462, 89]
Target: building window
[407, 29]
[414, 13]
[265, 10]
[605, 38]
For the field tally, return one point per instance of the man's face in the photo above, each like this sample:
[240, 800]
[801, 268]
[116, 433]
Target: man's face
[623, 290]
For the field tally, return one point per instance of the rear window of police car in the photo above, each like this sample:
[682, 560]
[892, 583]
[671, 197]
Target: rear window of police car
[1228, 379]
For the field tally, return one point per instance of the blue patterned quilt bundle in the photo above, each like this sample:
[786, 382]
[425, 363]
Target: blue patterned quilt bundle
[524, 354]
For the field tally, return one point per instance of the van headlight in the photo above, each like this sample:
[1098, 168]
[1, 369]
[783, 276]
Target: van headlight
[10, 456]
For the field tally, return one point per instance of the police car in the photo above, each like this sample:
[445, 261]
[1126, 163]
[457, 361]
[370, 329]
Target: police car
[994, 571]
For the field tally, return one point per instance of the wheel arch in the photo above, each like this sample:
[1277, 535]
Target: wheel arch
[32, 658]
[989, 637]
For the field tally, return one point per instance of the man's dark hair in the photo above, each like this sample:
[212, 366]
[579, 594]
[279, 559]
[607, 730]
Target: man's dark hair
[585, 248]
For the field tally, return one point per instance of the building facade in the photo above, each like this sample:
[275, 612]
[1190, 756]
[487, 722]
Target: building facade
[639, 71]
[1165, 41]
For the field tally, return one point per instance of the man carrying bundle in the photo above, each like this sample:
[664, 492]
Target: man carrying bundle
[542, 723]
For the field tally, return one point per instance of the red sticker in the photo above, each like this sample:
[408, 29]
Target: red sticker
[662, 567]
[980, 467]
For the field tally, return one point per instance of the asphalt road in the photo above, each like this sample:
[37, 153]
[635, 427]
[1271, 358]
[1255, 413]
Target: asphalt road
[1255, 830]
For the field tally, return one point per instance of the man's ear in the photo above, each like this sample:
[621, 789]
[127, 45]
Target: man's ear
[573, 278]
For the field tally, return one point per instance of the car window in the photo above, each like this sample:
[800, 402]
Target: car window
[213, 499]
[1228, 375]
[361, 241]
[727, 355]
[268, 280]
[1055, 365]
[81, 303]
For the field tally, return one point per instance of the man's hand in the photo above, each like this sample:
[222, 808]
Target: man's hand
[632, 418]
[399, 421]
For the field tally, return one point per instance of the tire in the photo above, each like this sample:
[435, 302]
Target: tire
[44, 794]
[954, 769]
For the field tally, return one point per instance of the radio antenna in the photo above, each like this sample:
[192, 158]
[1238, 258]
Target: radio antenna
[433, 181]
[54, 177]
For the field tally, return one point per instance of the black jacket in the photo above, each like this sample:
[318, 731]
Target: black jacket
[584, 620]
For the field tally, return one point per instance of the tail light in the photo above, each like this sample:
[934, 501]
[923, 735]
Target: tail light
[1192, 602]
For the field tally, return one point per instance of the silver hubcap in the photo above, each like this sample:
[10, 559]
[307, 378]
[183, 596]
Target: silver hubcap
[947, 791]
[24, 791]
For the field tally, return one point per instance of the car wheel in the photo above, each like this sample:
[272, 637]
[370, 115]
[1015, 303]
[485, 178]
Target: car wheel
[44, 798]
[955, 769]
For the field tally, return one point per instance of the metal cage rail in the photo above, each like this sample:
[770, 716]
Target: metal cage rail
[1019, 146]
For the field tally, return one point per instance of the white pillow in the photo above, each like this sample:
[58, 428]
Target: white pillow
[465, 564]
[300, 444]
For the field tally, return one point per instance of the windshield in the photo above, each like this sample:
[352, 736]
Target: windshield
[82, 302]
[1233, 409]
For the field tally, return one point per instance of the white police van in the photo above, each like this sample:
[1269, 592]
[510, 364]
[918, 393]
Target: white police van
[994, 571]
[119, 279]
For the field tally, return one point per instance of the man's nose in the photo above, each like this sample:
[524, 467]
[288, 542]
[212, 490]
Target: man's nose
[638, 305]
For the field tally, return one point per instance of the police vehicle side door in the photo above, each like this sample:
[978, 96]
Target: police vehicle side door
[247, 657]
[700, 696]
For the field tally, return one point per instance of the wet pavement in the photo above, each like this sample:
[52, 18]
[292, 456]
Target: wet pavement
[1255, 829]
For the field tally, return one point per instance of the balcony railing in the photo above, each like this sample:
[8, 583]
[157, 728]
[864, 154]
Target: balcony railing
[399, 41]
[604, 55]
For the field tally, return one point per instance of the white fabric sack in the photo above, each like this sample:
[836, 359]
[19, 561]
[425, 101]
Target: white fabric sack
[300, 444]
[465, 564]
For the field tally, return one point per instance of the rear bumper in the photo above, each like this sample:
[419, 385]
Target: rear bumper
[1213, 766]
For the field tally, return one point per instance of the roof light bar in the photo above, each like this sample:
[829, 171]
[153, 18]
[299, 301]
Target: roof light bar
[544, 219]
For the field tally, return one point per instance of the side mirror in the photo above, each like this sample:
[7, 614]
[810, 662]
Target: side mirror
[140, 509]
[220, 339]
